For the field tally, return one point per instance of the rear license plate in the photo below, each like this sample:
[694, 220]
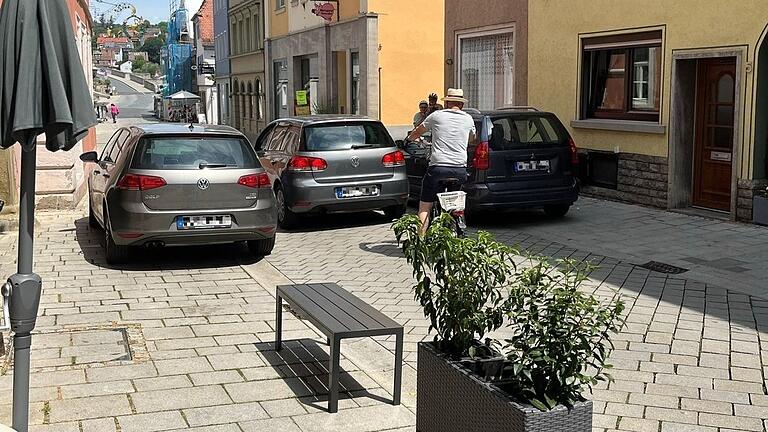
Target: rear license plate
[357, 191]
[203, 222]
[540, 165]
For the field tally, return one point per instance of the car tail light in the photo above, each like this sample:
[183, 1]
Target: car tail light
[574, 152]
[305, 163]
[140, 182]
[394, 159]
[255, 180]
[482, 159]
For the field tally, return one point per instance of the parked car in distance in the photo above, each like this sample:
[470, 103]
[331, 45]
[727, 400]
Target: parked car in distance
[521, 158]
[174, 185]
[332, 164]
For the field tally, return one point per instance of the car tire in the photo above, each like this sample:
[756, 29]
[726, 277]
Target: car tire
[92, 221]
[557, 211]
[472, 217]
[114, 254]
[395, 211]
[262, 247]
[286, 219]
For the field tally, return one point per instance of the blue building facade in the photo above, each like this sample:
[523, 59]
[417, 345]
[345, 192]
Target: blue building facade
[221, 46]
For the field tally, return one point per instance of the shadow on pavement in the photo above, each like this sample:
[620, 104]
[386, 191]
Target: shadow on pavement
[91, 241]
[386, 248]
[303, 365]
[332, 221]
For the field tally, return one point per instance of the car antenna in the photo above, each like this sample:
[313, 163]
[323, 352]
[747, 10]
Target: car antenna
[191, 126]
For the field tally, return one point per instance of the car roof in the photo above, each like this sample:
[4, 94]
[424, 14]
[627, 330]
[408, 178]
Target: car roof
[325, 118]
[521, 110]
[184, 129]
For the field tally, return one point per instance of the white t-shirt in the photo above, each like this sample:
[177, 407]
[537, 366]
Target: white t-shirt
[450, 134]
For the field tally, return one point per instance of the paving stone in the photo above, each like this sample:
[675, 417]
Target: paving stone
[277, 424]
[364, 419]
[669, 414]
[162, 383]
[164, 400]
[681, 427]
[56, 427]
[217, 377]
[638, 424]
[235, 361]
[182, 366]
[225, 414]
[86, 408]
[116, 373]
[99, 425]
[654, 400]
[283, 408]
[739, 423]
[96, 389]
[267, 390]
[159, 421]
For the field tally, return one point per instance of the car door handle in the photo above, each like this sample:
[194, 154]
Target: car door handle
[96, 172]
[105, 175]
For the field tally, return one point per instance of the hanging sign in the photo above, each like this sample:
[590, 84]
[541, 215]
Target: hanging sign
[324, 10]
[301, 98]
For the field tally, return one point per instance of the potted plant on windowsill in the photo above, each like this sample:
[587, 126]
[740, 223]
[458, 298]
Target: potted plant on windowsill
[760, 207]
[556, 345]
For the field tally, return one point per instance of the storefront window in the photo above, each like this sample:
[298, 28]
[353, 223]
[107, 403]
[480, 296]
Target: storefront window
[355, 82]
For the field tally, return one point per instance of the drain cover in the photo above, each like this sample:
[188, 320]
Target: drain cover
[663, 268]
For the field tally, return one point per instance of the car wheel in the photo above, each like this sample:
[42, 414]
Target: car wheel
[557, 211]
[92, 221]
[472, 217]
[115, 254]
[261, 247]
[395, 212]
[286, 219]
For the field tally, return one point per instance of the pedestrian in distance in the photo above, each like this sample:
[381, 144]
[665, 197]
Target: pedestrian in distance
[422, 114]
[114, 110]
[433, 105]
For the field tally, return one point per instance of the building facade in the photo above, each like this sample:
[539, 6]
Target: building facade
[486, 51]
[246, 47]
[60, 175]
[669, 101]
[221, 52]
[376, 58]
[205, 62]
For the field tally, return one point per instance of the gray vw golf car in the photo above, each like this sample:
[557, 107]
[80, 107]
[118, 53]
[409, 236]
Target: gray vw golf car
[332, 164]
[174, 184]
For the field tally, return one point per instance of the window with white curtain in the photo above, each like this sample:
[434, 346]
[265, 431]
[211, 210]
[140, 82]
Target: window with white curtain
[486, 68]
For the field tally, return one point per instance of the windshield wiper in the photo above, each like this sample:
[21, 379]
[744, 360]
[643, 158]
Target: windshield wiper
[361, 146]
[213, 165]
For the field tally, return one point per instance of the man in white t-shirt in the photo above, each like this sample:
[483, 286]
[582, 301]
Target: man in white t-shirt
[452, 129]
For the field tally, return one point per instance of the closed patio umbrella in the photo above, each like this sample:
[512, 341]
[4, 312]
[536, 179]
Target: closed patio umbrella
[42, 90]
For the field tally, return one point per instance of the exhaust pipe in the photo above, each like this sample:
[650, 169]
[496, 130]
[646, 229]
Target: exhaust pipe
[154, 244]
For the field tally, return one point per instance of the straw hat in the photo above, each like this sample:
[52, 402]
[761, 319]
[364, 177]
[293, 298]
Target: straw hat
[455, 95]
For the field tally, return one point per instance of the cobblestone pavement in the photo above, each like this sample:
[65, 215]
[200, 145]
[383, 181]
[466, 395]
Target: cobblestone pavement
[181, 339]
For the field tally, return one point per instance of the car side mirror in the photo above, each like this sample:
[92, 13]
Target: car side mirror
[90, 156]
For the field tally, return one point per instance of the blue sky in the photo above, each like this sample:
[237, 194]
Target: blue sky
[153, 10]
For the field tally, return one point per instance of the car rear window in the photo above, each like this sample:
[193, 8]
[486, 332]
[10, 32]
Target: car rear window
[346, 136]
[182, 153]
[515, 132]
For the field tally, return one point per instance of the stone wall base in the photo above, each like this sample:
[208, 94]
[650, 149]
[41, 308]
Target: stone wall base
[747, 190]
[641, 179]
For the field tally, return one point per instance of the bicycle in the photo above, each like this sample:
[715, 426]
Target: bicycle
[452, 200]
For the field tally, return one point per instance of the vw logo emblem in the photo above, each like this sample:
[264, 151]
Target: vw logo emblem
[203, 184]
[355, 161]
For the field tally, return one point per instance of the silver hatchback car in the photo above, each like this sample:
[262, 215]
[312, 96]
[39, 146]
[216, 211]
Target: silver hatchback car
[332, 164]
[174, 184]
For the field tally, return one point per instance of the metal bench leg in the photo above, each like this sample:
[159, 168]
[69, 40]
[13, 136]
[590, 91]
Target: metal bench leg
[279, 324]
[333, 376]
[398, 368]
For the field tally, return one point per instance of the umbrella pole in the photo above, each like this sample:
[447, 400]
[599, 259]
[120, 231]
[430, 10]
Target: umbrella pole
[26, 288]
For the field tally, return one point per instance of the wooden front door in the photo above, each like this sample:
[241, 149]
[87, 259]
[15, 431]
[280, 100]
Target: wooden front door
[713, 156]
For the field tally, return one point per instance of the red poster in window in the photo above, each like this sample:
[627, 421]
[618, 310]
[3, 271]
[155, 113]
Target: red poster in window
[325, 10]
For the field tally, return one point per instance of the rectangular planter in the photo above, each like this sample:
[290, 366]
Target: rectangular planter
[760, 210]
[450, 398]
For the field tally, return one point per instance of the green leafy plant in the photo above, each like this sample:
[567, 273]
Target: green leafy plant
[460, 282]
[560, 338]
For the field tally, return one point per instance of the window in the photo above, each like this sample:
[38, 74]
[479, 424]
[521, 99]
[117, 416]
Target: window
[250, 100]
[279, 4]
[486, 69]
[526, 131]
[248, 34]
[347, 136]
[621, 77]
[233, 40]
[259, 109]
[174, 153]
[242, 100]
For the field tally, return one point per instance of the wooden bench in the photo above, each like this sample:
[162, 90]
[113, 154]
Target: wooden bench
[339, 315]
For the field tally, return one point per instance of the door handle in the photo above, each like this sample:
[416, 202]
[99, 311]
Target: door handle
[96, 172]
[105, 175]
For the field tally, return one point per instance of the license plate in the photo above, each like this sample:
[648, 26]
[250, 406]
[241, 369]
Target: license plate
[203, 222]
[357, 191]
[541, 165]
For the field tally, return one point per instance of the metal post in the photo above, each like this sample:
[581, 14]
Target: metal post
[25, 288]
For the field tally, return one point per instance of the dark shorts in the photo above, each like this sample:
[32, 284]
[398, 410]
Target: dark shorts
[430, 185]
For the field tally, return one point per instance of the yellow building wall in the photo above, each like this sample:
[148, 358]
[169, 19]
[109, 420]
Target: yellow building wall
[554, 54]
[278, 20]
[411, 35]
[349, 9]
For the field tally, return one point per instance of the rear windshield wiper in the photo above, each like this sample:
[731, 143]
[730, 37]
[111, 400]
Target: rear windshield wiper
[361, 146]
[213, 165]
